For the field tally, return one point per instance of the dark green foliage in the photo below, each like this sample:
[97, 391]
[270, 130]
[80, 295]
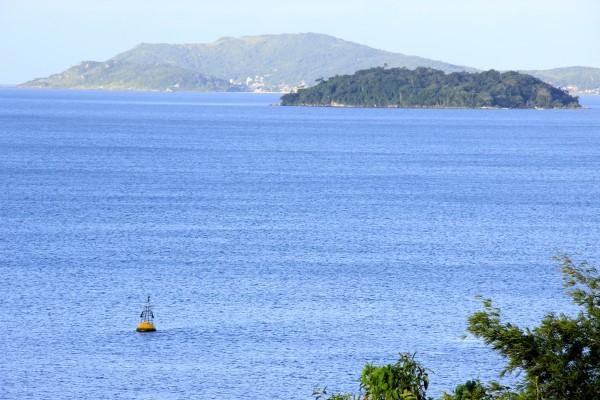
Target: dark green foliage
[426, 87]
[405, 380]
[470, 390]
[475, 390]
[561, 356]
[321, 394]
[341, 396]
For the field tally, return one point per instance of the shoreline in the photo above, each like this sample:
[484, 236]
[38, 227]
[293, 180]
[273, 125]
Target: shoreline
[131, 90]
[426, 107]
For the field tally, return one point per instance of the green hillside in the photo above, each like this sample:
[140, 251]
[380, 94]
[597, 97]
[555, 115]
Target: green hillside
[286, 59]
[579, 79]
[426, 87]
[129, 76]
[272, 62]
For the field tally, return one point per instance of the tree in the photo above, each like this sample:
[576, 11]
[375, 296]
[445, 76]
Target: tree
[322, 394]
[561, 356]
[475, 390]
[407, 379]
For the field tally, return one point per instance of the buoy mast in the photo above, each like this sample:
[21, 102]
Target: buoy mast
[146, 318]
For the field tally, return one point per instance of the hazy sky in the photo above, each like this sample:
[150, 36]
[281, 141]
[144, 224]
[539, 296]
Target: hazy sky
[39, 37]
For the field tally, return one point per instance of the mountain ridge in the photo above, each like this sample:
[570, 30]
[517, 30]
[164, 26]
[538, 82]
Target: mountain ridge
[273, 62]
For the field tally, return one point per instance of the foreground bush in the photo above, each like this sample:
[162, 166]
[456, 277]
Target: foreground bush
[404, 380]
[475, 390]
[561, 356]
[559, 359]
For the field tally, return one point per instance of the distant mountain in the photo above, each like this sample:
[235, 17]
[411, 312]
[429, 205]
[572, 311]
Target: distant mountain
[581, 80]
[426, 87]
[253, 63]
[118, 75]
[268, 62]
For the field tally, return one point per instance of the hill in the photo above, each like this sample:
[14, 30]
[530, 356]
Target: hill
[268, 62]
[118, 75]
[426, 87]
[256, 63]
[582, 80]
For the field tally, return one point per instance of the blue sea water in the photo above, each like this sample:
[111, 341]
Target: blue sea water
[283, 247]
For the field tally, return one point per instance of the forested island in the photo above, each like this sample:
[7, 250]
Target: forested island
[431, 88]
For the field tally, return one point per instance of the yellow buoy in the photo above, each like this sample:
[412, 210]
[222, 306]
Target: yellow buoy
[146, 319]
[145, 327]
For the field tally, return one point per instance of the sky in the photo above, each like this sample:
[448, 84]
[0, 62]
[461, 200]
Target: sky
[38, 37]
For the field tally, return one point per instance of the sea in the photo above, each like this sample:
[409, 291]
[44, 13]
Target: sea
[283, 247]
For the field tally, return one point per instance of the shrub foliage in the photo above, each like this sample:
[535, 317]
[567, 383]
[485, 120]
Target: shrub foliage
[557, 360]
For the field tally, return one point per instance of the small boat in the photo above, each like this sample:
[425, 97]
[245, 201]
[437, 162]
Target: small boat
[146, 319]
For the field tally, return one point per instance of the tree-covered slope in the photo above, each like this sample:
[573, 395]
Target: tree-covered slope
[130, 76]
[426, 87]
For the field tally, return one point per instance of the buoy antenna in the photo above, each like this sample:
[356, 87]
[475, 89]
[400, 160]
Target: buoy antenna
[146, 318]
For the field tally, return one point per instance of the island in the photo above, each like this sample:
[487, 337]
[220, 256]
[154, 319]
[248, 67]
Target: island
[431, 88]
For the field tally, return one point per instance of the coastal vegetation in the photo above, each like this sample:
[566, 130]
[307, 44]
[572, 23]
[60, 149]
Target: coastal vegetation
[426, 87]
[559, 359]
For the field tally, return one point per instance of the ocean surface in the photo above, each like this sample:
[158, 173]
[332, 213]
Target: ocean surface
[283, 248]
